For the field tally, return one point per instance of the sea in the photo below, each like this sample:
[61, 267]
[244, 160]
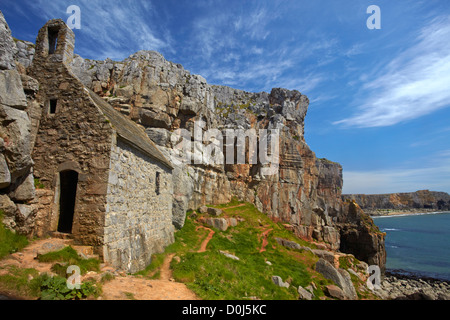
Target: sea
[417, 244]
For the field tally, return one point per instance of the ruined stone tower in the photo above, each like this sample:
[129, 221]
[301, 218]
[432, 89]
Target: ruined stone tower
[111, 188]
[55, 43]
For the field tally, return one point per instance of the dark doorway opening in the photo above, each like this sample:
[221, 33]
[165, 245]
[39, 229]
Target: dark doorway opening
[68, 192]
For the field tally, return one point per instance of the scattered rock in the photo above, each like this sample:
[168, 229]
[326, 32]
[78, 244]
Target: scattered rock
[326, 255]
[203, 209]
[413, 289]
[304, 294]
[214, 212]
[232, 222]
[193, 215]
[229, 255]
[335, 292]
[218, 223]
[279, 282]
[291, 244]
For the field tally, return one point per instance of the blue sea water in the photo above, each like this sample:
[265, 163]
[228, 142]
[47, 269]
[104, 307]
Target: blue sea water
[418, 244]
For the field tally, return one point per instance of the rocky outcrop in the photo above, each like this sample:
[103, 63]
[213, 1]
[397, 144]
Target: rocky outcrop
[164, 98]
[7, 47]
[419, 201]
[360, 236]
[168, 101]
[18, 114]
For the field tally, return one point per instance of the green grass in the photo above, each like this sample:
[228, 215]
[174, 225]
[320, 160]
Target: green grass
[10, 242]
[38, 184]
[29, 284]
[22, 282]
[68, 256]
[213, 276]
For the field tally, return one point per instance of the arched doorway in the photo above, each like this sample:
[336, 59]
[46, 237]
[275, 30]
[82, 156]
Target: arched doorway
[68, 181]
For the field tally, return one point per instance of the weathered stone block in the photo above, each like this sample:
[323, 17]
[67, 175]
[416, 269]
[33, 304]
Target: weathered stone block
[11, 90]
[214, 212]
[218, 223]
[5, 175]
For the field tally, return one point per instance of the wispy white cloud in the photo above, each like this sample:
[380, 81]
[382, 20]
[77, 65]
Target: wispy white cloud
[413, 84]
[434, 175]
[391, 181]
[254, 25]
[118, 29]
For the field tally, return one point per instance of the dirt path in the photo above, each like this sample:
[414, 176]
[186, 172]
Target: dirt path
[207, 239]
[264, 240]
[27, 257]
[165, 272]
[123, 287]
[137, 288]
[238, 206]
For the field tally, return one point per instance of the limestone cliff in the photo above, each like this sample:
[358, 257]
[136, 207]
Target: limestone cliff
[305, 191]
[422, 200]
[19, 114]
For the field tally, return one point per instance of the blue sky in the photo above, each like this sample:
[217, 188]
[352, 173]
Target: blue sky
[380, 99]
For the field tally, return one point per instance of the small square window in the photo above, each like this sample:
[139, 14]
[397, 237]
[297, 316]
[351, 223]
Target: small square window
[52, 106]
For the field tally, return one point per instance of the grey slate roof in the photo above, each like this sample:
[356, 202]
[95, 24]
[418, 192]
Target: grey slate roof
[128, 130]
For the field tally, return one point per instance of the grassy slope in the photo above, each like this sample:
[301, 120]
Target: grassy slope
[211, 275]
[10, 242]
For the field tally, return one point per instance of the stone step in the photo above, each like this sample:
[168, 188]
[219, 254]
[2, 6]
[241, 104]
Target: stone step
[82, 250]
[60, 235]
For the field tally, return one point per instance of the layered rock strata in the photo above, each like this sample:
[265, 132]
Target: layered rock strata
[304, 191]
[419, 201]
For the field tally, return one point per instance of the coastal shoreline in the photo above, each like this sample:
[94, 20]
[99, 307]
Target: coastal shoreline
[402, 285]
[395, 212]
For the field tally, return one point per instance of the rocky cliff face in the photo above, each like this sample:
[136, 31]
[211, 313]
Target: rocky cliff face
[19, 115]
[165, 99]
[413, 201]
[304, 192]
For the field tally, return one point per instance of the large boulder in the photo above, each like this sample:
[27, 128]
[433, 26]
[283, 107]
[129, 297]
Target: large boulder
[16, 132]
[340, 277]
[11, 90]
